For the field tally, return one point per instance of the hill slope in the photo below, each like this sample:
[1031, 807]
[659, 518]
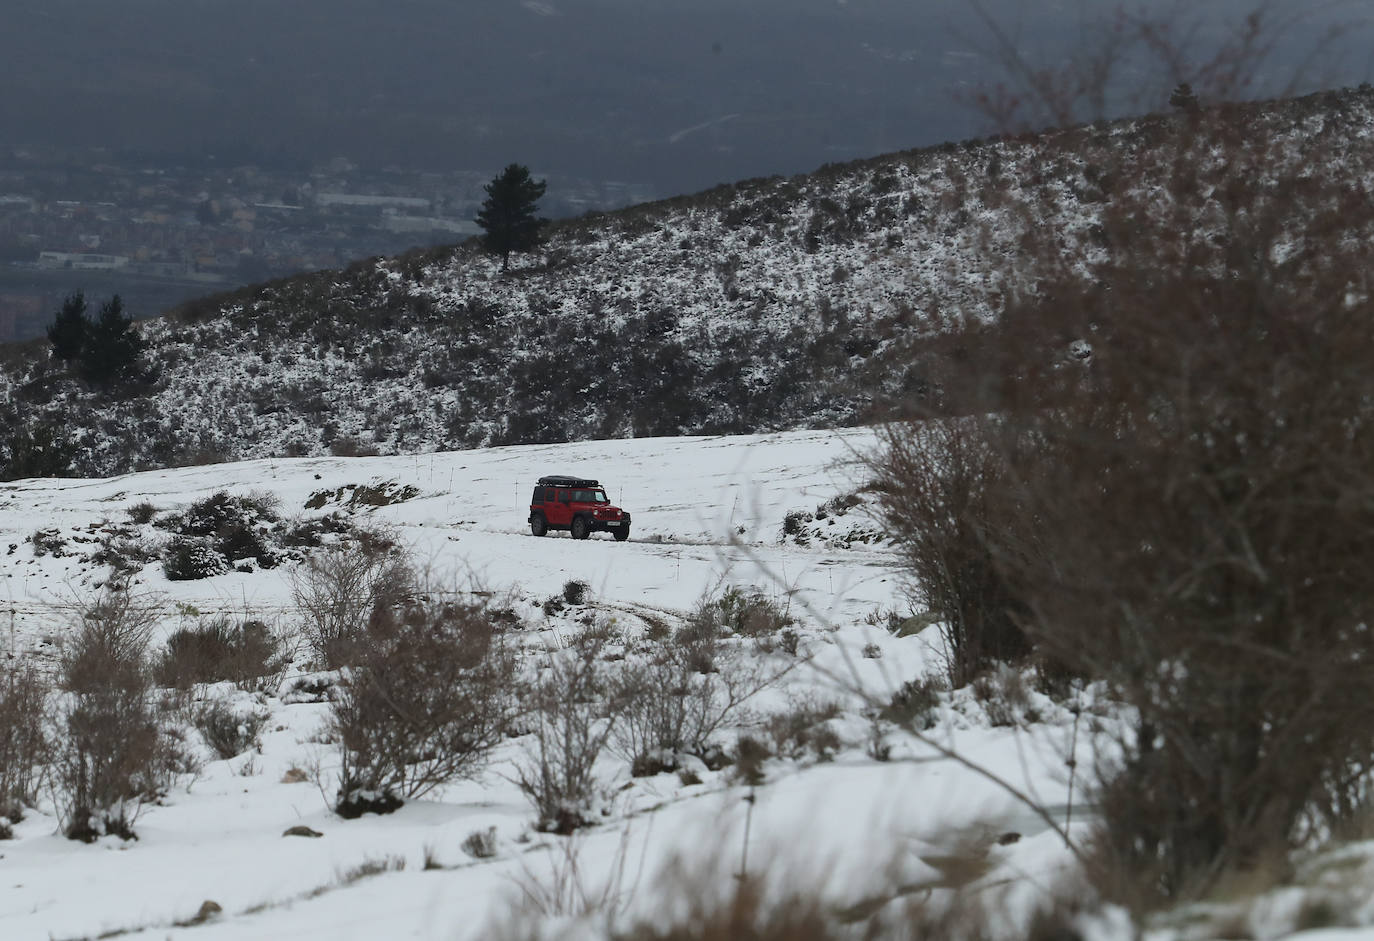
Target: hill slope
[769, 304]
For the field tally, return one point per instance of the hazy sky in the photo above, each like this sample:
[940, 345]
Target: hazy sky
[680, 94]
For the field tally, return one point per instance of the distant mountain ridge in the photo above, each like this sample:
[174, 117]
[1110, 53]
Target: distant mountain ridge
[767, 304]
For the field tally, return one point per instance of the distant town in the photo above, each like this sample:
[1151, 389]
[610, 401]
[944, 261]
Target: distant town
[160, 235]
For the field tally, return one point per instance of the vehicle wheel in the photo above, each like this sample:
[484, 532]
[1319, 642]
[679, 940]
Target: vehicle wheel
[538, 525]
[580, 529]
[622, 534]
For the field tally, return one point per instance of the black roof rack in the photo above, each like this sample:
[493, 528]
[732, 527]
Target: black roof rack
[560, 481]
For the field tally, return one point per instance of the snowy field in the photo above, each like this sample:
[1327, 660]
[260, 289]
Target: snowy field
[708, 513]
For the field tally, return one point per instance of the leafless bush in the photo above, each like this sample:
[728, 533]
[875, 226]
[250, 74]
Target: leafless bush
[228, 731]
[25, 737]
[914, 703]
[141, 512]
[218, 649]
[369, 867]
[935, 484]
[569, 712]
[1145, 57]
[747, 612]
[744, 912]
[801, 730]
[664, 706]
[337, 590]
[695, 905]
[1196, 480]
[431, 693]
[480, 844]
[1003, 695]
[112, 752]
[1223, 453]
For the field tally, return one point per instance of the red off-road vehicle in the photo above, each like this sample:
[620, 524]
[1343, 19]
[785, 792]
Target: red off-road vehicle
[577, 505]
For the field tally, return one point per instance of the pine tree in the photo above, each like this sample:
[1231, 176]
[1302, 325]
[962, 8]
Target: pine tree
[70, 329]
[1185, 99]
[112, 347]
[507, 214]
[35, 452]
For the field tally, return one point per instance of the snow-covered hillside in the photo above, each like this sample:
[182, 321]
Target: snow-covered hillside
[709, 512]
[766, 305]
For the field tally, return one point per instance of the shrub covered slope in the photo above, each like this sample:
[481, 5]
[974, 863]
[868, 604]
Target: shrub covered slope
[812, 301]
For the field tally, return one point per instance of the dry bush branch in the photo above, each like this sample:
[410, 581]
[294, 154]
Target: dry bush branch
[1129, 60]
[113, 751]
[337, 590]
[572, 725]
[1184, 511]
[430, 694]
[935, 481]
[249, 654]
[664, 706]
[25, 737]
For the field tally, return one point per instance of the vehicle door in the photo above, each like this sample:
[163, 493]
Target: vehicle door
[558, 509]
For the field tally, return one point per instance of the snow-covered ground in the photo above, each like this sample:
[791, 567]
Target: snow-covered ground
[708, 512]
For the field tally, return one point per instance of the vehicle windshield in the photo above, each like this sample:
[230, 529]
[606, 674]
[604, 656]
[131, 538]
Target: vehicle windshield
[589, 496]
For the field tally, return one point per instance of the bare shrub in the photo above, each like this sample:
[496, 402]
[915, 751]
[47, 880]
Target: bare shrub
[802, 730]
[914, 703]
[747, 612]
[48, 542]
[665, 706]
[229, 731]
[1198, 475]
[1003, 695]
[369, 867]
[568, 709]
[1222, 448]
[337, 590]
[694, 903]
[111, 754]
[141, 512]
[750, 754]
[480, 844]
[935, 483]
[218, 649]
[429, 696]
[25, 738]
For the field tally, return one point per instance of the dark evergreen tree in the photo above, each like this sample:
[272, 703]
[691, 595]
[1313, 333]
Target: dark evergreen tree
[35, 452]
[70, 328]
[1185, 99]
[507, 214]
[112, 347]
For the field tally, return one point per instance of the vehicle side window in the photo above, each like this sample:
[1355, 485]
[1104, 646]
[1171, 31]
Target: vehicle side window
[564, 496]
[538, 495]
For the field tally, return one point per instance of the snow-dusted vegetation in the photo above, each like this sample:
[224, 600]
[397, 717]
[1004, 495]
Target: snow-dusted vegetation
[1074, 645]
[743, 689]
[798, 682]
[773, 303]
